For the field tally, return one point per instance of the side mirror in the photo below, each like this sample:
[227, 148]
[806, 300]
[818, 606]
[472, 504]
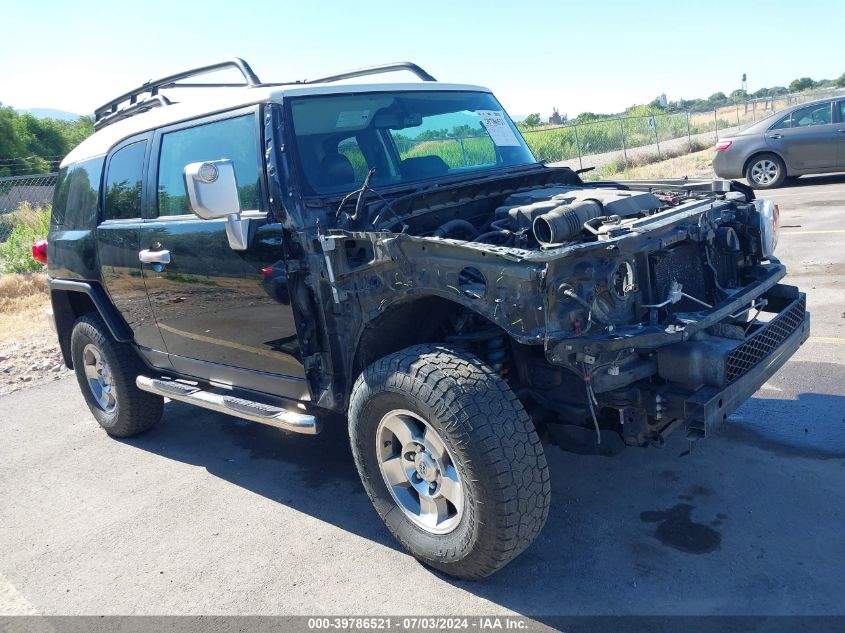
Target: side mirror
[212, 189]
[213, 193]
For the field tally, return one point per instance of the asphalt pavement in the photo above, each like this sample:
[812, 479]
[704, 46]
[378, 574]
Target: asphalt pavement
[207, 514]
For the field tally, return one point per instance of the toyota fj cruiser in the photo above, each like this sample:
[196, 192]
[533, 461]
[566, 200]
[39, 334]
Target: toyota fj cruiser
[394, 253]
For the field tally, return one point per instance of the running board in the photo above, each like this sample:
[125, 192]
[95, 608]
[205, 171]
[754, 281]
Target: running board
[231, 405]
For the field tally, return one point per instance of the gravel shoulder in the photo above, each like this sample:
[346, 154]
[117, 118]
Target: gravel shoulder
[33, 361]
[29, 349]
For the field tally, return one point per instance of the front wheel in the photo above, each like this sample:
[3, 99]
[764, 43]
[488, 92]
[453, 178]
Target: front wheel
[449, 458]
[765, 171]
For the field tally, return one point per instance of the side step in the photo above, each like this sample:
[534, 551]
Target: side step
[238, 407]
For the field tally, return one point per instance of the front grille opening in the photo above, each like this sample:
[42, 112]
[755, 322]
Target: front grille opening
[686, 265]
[765, 340]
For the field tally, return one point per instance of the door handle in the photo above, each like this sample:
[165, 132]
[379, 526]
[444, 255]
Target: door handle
[775, 135]
[841, 131]
[154, 257]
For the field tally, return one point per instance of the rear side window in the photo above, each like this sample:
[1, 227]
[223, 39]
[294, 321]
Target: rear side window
[234, 139]
[75, 201]
[123, 183]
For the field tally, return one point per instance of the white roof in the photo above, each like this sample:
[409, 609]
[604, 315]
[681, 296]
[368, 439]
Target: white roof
[201, 102]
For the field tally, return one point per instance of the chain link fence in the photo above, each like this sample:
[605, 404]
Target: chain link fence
[613, 144]
[36, 189]
[609, 145]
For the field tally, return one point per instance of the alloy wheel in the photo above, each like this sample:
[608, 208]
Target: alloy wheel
[419, 471]
[764, 172]
[99, 377]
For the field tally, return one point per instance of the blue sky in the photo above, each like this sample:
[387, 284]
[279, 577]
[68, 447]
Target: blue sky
[577, 56]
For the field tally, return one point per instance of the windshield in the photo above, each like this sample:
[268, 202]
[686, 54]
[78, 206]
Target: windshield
[406, 136]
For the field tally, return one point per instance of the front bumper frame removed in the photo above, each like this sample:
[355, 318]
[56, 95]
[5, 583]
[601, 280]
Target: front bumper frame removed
[746, 367]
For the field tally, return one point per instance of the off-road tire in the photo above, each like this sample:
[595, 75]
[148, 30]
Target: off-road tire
[773, 159]
[494, 446]
[135, 411]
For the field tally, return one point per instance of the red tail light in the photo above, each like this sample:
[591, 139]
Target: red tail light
[39, 252]
[723, 145]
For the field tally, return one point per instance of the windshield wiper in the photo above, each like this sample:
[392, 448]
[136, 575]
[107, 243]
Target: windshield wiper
[359, 203]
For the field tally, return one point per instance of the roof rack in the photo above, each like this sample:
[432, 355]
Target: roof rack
[112, 111]
[375, 70]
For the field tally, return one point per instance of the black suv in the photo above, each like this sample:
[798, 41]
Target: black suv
[394, 253]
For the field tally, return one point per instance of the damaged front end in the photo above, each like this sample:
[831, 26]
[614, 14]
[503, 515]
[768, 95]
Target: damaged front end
[616, 311]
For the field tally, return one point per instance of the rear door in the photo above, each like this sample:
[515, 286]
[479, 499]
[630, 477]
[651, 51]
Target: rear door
[808, 139]
[118, 237]
[215, 307]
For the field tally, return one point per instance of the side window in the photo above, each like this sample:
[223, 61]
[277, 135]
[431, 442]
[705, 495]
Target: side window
[841, 105]
[812, 115]
[75, 202]
[57, 213]
[123, 183]
[784, 124]
[234, 139]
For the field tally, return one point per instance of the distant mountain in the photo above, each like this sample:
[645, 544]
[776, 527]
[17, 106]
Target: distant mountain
[50, 113]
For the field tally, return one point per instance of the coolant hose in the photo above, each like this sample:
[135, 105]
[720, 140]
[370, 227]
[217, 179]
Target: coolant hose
[565, 222]
[451, 225]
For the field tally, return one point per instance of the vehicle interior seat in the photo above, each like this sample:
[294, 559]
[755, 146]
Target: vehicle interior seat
[336, 170]
[423, 167]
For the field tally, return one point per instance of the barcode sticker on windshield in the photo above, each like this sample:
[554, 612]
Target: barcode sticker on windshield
[497, 127]
[352, 118]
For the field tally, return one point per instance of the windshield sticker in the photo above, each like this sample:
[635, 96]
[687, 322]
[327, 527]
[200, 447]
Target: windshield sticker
[352, 118]
[497, 127]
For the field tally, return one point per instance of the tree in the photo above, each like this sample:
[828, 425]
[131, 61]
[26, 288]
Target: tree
[799, 85]
[840, 81]
[739, 93]
[30, 145]
[717, 97]
[532, 120]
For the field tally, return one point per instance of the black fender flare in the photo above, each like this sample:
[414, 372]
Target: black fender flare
[65, 312]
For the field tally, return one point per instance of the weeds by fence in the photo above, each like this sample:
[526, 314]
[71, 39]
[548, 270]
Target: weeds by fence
[18, 231]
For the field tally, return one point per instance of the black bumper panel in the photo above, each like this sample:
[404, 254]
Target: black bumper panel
[751, 365]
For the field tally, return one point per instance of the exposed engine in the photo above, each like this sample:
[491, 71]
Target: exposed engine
[605, 304]
[543, 217]
[553, 216]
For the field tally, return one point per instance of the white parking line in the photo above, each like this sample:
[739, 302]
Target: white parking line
[829, 340]
[787, 232]
[11, 600]
[824, 191]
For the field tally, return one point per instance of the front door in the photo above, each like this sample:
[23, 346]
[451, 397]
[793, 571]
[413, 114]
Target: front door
[216, 306]
[807, 140]
[840, 130]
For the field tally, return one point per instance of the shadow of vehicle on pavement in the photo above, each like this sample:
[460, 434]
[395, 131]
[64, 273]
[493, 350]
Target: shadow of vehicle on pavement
[622, 531]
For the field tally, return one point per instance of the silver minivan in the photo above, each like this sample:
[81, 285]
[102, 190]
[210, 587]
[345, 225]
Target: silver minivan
[805, 139]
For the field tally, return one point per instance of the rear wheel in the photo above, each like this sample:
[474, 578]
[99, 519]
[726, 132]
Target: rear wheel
[765, 171]
[106, 372]
[449, 458]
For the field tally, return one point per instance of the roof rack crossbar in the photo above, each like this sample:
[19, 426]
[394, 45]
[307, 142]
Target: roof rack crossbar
[130, 110]
[375, 70]
[112, 111]
[106, 111]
